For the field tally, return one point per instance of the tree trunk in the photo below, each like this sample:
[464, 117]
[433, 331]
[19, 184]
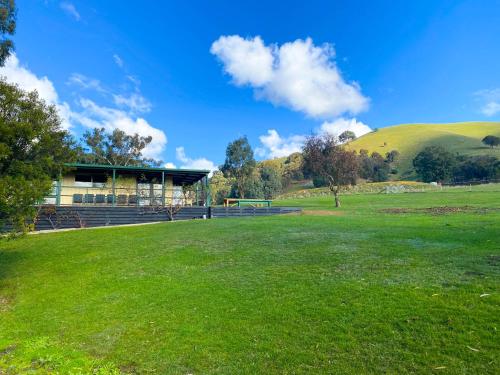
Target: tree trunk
[337, 198]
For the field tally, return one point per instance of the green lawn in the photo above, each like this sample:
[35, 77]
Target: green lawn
[362, 290]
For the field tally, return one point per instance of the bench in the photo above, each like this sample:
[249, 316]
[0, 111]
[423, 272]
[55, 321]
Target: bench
[247, 202]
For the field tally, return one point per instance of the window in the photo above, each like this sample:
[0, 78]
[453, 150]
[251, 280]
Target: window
[83, 180]
[88, 180]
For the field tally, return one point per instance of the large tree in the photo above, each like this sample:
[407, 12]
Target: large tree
[435, 164]
[491, 140]
[33, 150]
[325, 158]
[239, 164]
[116, 148]
[7, 28]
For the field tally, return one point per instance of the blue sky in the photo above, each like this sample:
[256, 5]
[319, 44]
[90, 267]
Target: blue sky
[196, 75]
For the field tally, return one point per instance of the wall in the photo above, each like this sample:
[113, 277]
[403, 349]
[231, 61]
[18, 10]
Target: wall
[96, 216]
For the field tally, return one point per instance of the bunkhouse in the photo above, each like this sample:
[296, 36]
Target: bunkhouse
[129, 186]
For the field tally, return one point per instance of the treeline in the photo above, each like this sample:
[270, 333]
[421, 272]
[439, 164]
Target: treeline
[437, 164]
[242, 177]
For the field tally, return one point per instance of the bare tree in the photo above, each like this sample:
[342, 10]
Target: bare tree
[325, 157]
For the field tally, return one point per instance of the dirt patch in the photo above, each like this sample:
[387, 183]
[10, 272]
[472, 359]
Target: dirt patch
[439, 210]
[4, 304]
[322, 213]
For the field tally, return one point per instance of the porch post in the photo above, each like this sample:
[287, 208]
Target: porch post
[113, 188]
[163, 188]
[197, 187]
[58, 190]
[209, 200]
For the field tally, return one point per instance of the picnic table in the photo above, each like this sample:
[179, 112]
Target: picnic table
[246, 202]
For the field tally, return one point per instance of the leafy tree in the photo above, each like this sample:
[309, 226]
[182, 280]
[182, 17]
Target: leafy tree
[239, 164]
[116, 148]
[374, 167]
[33, 150]
[491, 140]
[293, 168]
[392, 156]
[7, 27]
[347, 136]
[271, 182]
[220, 187]
[434, 163]
[480, 167]
[325, 157]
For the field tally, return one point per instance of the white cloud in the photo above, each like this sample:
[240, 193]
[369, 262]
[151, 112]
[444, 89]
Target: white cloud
[248, 61]
[340, 125]
[70, 9]
[94, 116]
[490, 99]
[189, 163]
[28, 81]
[135, 102]
[169, 165]
[298, 75]
[275, 146]
[118, 60]
[86, 82]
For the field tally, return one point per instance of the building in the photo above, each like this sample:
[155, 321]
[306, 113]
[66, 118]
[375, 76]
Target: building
[111, 185]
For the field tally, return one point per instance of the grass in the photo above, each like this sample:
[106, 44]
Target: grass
[463, 138]
[363, 290]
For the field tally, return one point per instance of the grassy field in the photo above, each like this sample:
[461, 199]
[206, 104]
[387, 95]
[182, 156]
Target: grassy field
[391, 283]
[464, 138]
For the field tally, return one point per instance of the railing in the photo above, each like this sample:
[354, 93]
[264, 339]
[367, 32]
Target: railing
[128, 196]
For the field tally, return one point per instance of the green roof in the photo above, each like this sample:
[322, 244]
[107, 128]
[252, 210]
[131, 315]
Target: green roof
[135, 168]
[180, 176]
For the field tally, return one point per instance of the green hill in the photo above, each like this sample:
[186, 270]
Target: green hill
[464, 138]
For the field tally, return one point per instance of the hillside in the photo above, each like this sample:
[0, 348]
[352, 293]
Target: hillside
[464, 138]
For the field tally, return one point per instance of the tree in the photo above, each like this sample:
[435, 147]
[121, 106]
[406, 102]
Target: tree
[239, 164]
[481, 167]
[220, 187]
[325, 157]
[116, 148]
[347, 136]
[374, 167]
[33, 150]
[392, 156]
[7, 27]
[434, 163]
[271, 182]
[491, 140]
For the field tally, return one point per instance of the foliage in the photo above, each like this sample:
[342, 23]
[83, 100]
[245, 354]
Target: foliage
[7, 27]
[392, 156]
[374, 167]
[220, 187]
[271, 182]
[347, 136]
[361, 291]
[461, 138]
[325, 157]
[239, 164]
[477, 168]
[435, 163]
[33, 150]
[293, 170]
[491, 140]
[116, 148]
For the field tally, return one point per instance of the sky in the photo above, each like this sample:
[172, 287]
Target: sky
[196, 75]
